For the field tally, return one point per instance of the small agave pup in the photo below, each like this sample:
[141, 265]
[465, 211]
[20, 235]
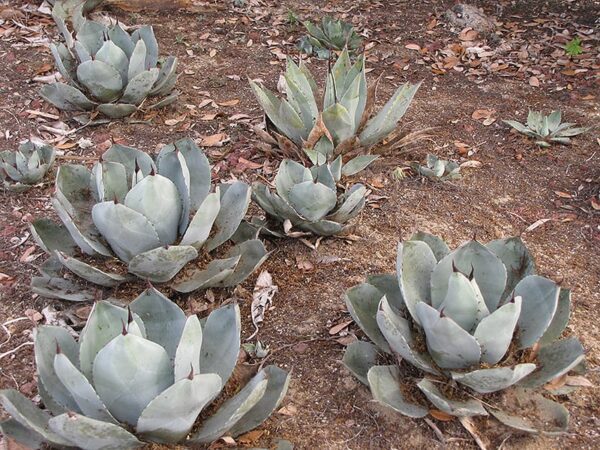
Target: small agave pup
[330, 35]
[345, 126]
[109, 70]
[308, 198]
[437, 169]
[27, 166]
[140, 374]
[547, 130]
[155, 218]
[474, 321]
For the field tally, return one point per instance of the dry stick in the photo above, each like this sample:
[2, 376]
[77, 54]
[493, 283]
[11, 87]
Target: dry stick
[437, 431]
[469, 425]
[2, 355]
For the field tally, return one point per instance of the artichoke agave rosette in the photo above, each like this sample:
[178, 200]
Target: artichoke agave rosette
[109, 70]
[438, 169]
[140, 374]
[331, 34]
[476, 320]
[27, 166]
[547, 130]
[154, 217]
[345, 125]
[308, 198]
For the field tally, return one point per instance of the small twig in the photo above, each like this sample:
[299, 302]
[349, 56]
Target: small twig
[14, 350]
[469, 425]
[6, 330]
[437, 431]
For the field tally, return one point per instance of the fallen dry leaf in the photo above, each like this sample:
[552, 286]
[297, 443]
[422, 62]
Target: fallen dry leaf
[536, 224]
[176, 120]
[482, 114]
[288, 410]
[339, 327]
[214, 140]
[534, 81]
[563, 194]
[441, 415]
[413, 47]
[232, 102]
[262, 298]
[471, 164]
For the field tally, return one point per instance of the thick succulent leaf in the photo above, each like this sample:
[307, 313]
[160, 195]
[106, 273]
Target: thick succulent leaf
[146, 33]
[540, 300]
[216, 271]
[161, 264]
[277, 386]
[560, 319]
[312, 200]
[339, 122]
[517, 126]
[128, 373]
[60, 65]
[437, 244]
[449, 345]
[471, 407]
[357, 164]
[232, 410]
[173, 165]
[322, 174]
[166, 101]
[111, 181]
[495, 332]
[117, 110]
[91, 434]
[385, 383]
[202, 223]
[156, 190]
[359, 357]
[552, 417]
[166, 77]
[496, 379]
[362, 302]
[322, 227]
[379, 126]
[163, 319]
[488, 270]
[388, 284]
[80, 388]
[555, 360]
[199, 168]
[234, 204]
[113, 55]
[414, 265]
[221, 342]
[25, 436]
[139, 87]
[122, 39]
[300, 95]
[137, 61]
[88, 272]
[289, 174]
[47, 338]
[187, 356]
[30, 416]
[461, 303]
[61, 289]
[51, 236]
[128, 232]
[399, 336]
[104, 323]
[130, 158]
[91, 35]
[66, 98]
[170, 416]
[516, 258]
[252, 254]
[353, 203]
[272, 204]
[101, 79]
[81, 232]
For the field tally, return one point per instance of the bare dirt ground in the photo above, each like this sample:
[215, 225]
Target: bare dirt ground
[544, 195]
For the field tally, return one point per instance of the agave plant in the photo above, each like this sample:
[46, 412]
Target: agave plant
[330, 35]
[438, 169]
[308, 198]
[144, 373]
[129, 207]
[473, 321]
[27, 166]
[546, 130]
[66, 8]
[109, 70]
[345, 126]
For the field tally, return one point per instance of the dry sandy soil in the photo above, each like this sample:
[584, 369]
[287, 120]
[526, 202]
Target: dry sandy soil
[515, 186]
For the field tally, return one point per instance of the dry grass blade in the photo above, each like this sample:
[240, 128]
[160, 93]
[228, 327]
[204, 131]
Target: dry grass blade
[400, 142]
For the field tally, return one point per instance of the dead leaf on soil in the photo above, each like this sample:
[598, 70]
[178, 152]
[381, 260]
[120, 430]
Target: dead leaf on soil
[339, 327]
[471, 164]
[262, 299]
[214, 140]
[563, 194]
[251, 437]
[413, 47]
[482, 114]
[441, 415]
[536, 224]
[288, 410]
[34, 316]
[176, 120]
[534, 81]
[232, 102]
